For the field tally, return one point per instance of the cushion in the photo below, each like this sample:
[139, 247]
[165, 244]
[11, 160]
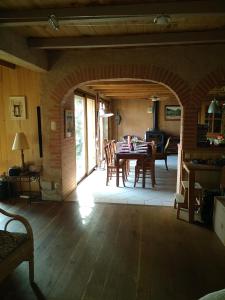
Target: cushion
[218, 295]
[9, 241]
[185, 184]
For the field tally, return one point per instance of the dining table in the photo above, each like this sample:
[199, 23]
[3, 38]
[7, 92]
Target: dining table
[127, 154]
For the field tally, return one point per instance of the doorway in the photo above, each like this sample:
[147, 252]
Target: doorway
[85, 131]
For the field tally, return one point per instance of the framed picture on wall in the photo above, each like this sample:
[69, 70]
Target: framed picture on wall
[69, 125]
[18, 107]
[172, 112]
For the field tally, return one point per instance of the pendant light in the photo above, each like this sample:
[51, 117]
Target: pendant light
[214, 107]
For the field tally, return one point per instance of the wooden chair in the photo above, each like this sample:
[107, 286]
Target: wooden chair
[181, 200]
[16, 247]
[111, 166]
[163, 155]
[146, 166]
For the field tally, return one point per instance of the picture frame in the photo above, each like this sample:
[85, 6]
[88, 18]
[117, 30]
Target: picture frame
[172, 112]
[18, 107]
[69, 123]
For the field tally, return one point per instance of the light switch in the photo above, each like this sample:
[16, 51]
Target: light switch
[53, 125]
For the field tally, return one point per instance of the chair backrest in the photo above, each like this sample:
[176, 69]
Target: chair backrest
[167, 145]
[107, 154]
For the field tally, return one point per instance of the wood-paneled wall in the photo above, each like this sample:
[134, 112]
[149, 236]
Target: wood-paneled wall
[136, 119]
[18, 82]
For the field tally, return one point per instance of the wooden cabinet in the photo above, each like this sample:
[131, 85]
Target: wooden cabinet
[219, 218]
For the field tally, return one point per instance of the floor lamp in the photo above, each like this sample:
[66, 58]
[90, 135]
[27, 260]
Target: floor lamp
[20, 143]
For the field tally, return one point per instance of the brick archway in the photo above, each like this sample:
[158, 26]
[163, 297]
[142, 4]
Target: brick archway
[58, 160]
[149, 72]
[207, 83]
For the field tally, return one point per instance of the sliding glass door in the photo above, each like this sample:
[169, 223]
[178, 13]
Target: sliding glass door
[91, 134]
[80, 137]
[85, 133]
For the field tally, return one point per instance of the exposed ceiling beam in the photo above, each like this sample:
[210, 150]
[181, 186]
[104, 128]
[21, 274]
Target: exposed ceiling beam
[162, 39]
[111, 94]
[104, 12]
[7, 64]
[128, 89]
[119, 82]
[121, 86]
[14, 49]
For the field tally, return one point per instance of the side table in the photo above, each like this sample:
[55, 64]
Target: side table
[21, 185]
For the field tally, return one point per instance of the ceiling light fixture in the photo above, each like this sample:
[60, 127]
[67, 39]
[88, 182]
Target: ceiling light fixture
[155, 98]
[53, 22]
[162, 20]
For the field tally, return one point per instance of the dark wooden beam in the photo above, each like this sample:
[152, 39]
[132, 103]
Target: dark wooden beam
[122, 86]
[7, 64]
[104, 12]
[14, 48]
[162, 39]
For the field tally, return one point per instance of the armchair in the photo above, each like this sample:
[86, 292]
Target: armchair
[15, 247]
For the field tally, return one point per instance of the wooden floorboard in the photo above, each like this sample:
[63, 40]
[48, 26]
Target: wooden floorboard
[122, 252]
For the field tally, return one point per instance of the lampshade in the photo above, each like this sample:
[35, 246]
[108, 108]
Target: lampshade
[214, 107]
[107, 115]
[20, 142]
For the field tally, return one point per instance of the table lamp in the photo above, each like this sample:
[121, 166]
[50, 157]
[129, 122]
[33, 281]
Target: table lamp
[20, 143]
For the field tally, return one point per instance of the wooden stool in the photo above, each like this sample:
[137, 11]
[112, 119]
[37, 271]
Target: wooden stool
[181, 200]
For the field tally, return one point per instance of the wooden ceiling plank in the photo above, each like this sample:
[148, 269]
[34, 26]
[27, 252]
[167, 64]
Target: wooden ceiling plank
[172, 38]
[104, 12]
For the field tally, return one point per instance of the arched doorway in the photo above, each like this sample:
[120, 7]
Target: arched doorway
[58, 160]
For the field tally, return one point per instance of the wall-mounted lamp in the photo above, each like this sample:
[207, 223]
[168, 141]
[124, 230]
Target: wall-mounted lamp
[118, 118]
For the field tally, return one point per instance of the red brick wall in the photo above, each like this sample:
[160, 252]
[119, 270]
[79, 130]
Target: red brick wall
[68, 151]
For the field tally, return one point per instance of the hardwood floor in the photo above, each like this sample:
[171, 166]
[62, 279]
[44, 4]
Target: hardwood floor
[115, 251]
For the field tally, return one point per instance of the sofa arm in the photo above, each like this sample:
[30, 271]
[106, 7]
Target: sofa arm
[14, 217]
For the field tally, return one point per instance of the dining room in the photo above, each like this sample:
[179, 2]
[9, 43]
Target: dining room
[133, 113]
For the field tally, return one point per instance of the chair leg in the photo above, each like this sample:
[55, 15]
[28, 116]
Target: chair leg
[107, 176]
[31, 270]
[124, 174]
[175, 203]
[166, 163]
[136, 175]
[153, 175]
[178, 211]
[153, 179]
